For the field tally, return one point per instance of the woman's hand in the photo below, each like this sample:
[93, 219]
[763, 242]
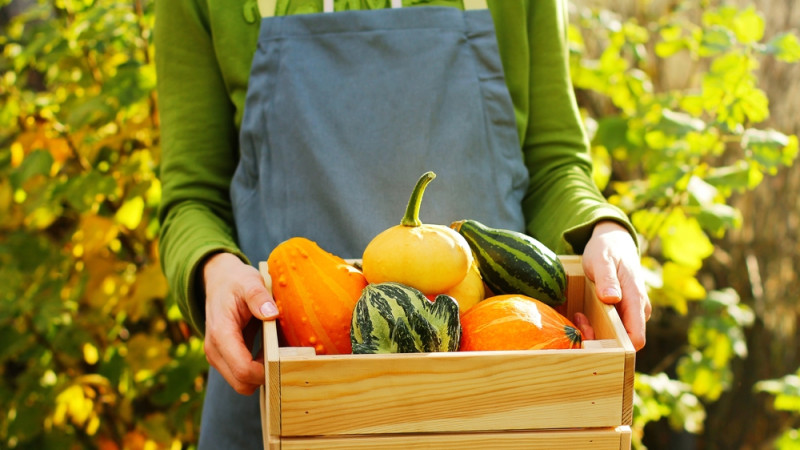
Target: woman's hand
[611, 260]
[236, 303]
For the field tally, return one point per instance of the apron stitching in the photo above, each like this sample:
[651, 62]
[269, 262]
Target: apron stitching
[268, 111]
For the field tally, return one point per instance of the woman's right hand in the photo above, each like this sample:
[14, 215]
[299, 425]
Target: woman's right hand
[236, 303]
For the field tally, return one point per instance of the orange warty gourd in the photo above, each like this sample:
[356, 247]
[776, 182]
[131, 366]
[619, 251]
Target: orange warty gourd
[516, 322]
[315, 292]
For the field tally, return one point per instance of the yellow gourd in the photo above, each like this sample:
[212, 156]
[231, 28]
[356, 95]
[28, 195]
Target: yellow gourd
[431, 258]
[469, 291]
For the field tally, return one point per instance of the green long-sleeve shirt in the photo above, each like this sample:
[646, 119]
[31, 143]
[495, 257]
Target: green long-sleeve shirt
[204, 49]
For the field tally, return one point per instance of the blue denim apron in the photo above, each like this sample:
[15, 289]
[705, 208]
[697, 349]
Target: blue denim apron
[344, 112]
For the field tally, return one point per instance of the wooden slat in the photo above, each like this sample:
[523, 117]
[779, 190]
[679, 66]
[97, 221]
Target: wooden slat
[447, 392]
[592, 439]
[271, 392]
[575, 285]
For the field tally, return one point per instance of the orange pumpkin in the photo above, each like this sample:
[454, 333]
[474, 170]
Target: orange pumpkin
[516, 322]
[315, 292]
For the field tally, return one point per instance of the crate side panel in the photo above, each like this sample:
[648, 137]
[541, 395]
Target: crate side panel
[451, 392]
[593, 439]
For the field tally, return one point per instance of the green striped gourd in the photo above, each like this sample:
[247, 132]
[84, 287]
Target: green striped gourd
[515, 263]
[391, 317]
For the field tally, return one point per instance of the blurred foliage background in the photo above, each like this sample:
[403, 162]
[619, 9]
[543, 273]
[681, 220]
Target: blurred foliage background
[692, 108]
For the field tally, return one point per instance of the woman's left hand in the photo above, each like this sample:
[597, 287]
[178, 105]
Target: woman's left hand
[612, 261]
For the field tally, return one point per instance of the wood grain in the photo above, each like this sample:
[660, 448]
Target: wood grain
[459, 391]
[595, 439]
[271, 396]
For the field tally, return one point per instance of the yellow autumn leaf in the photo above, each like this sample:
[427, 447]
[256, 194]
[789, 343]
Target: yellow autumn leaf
[41, 217]
[17, 154]
[90, 353]
[684, 241]
[130, 213]
[748, 26]
[104, 281]
[682, 281]
[72, 403]
[149, 284]
[147, 354]
[94, 233]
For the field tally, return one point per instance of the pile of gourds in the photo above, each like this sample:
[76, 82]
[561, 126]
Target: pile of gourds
[423, 288]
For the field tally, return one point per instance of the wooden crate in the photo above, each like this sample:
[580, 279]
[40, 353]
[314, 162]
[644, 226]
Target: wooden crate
[550, 399]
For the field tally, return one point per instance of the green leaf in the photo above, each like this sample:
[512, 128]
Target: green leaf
[786, 391]
[88, 111]
[740, 177]
[715, 40]
[785, 47]
[85, 191]
[37, 162]
[659, 396]
[713, 216]
[770, 148]
[679, 124]
[717, 218]
[611, 133]
[132, 83]
[706, 382]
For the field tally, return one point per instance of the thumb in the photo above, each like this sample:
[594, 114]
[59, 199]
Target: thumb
[606, 281]
[258, 299]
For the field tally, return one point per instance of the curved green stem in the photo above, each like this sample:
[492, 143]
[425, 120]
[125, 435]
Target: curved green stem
[411, 218]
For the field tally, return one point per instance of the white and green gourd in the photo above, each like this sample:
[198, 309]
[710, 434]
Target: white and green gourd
[391, 317]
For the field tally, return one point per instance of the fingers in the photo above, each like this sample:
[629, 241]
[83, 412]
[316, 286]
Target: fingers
[226, 271]
[582, 322]
[235, 294]
[612, 261]
[236, 365]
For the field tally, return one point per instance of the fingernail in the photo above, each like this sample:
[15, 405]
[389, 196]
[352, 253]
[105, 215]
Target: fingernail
[611, 293]
[269, 310]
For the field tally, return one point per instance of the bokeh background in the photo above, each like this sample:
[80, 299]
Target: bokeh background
[693, 108]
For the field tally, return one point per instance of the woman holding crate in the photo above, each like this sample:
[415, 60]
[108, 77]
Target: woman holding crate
[285, 118]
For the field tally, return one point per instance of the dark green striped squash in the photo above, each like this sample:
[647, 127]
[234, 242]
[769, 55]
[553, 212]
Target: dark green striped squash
[511, 262]
[391, 317]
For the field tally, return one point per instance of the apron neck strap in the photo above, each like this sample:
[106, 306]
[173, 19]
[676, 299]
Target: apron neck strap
[267, 7]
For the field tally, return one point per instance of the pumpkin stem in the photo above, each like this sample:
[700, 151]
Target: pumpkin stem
[411, 218]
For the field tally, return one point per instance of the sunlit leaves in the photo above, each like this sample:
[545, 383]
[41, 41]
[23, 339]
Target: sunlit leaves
[87, 337]
[770, 148]
[717, 337]
[785, 47]
[680, 150]
[786, 391]
[658, 397]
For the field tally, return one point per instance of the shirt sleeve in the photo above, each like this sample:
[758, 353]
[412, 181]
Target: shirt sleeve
[562, 203]
[199, 152]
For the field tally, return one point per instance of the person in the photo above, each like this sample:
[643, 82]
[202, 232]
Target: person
[318, 125]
